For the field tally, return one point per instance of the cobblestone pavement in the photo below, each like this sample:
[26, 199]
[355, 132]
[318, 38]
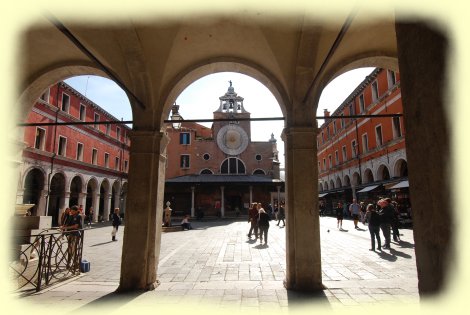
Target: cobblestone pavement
[215, 265]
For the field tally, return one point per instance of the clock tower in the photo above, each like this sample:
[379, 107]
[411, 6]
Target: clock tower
[232, 137]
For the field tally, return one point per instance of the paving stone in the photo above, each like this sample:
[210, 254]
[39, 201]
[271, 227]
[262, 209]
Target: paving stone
[218, 266]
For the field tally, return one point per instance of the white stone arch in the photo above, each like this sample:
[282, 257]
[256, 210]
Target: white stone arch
[338, 182]
[29, 169]
[206, 171]
[238, 161]
[225, 64]
[368, 176]
[258, 171]
[69, 182]
[320, 185]
[400, 168]
[326, 186]
[381, 171]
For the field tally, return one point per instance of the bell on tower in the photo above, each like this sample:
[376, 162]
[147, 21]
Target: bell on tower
[231, 102]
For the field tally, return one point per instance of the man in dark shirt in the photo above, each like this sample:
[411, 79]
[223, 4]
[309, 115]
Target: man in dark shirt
[71, 229]
[386, 216]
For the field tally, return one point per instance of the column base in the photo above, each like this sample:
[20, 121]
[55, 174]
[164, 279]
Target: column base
[304, 287]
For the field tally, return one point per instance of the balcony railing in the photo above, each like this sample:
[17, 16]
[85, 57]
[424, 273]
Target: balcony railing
[49, 257]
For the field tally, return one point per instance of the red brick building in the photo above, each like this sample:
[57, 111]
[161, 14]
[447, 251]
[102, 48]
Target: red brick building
[65, 165]
[219, 170]
[364, 157]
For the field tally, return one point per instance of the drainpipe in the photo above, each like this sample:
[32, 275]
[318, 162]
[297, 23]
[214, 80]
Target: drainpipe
[53, 153]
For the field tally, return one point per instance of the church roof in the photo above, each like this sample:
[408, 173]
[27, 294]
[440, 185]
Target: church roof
[210, 178]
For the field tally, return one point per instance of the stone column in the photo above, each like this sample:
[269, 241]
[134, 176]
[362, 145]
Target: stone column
[65, 202]
[144, 210]
[96, 206]
[303, 265]
[222, 202]
[41, 209]
[192, 201]
[107, 205]
[82, 199]
[422, 56]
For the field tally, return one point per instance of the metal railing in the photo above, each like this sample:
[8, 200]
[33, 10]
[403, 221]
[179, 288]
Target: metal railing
[45, 259]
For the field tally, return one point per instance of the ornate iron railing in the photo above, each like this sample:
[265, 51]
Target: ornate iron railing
[48, 258]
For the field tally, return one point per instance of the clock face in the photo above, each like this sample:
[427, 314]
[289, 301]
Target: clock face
[232, 139]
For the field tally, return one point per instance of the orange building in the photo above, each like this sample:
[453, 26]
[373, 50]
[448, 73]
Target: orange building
[73, 163]
[219, 170]
[364, 157]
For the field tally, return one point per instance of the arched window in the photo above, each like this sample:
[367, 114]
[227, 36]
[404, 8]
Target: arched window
[259, 172]
[206, 171]
[232, 165]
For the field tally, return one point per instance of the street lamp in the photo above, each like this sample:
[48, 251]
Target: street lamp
[176, 117]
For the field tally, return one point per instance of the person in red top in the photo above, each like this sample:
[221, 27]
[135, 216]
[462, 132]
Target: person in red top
[253, 220]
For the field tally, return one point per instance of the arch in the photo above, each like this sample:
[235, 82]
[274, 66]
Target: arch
[45, 79]
[383, 173]
[56, 196]
[347, 181]
[91, 191]
[33, 186]
[320, 186]
[338, 182]
[224, 64]
[326, 186]
[369, 58]
[206, 171]
[368, 176]
[76, 185]
[103, 207]
[400, 169]
[259, 171]
[232, 165]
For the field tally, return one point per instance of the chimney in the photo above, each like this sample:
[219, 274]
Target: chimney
[326, 113]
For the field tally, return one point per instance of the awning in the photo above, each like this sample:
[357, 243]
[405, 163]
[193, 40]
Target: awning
[368, 188]
[403, 184]
[322, 195]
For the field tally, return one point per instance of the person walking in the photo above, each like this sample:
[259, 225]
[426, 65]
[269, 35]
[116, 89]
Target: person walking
[116, 223]
[253, 220]
[386, 212]
[263, 224]
[374, 226]
[339, 215]
[281, 215]
[395, 222]
[90, 217]
[354, 209]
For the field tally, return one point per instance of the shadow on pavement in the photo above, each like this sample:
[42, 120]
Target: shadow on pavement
[300, 299]
[398, 253]
[99, 244]
[114, 300]
[387, 256]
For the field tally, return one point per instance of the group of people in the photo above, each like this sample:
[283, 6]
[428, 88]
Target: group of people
[382, 216]
[74, 218]
[259, 219]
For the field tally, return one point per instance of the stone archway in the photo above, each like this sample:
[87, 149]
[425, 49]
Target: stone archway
[75, 191]
[33, 188]
[56, 197]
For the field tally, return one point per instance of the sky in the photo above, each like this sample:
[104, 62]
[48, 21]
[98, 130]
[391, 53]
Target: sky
[200, 99]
